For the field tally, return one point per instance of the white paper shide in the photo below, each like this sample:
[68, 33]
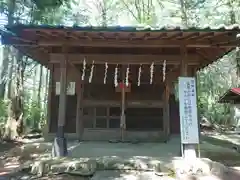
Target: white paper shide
[70, 88]
[188, 110]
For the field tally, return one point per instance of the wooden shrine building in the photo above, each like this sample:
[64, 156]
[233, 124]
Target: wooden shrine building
[118, 82]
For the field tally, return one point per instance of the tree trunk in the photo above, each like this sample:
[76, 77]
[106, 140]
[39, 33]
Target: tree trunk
[35, 97]
[46, 93]
[14, 125]
[39, 96]
[6, 52]
[10, 77]
[184, 13]
[4, 69]
[40, 86]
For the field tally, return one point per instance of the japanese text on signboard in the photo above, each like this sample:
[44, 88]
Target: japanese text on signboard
[188, 110]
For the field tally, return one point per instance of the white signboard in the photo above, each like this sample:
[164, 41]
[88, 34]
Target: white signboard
[70, 88]
[188, 110]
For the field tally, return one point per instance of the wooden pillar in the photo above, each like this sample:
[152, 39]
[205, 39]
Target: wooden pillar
[188, 150]
[79, 114]
[60, 144]
[79, 108]
[166, 117]
[123, 101]
[49, 105]
[123, 116]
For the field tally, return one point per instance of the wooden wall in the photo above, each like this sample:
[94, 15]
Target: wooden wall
[97, 94]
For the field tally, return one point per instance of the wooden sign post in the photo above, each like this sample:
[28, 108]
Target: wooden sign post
[188, 116]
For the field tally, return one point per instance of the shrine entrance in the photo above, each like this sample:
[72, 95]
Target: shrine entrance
[141, 110]
[123, 102]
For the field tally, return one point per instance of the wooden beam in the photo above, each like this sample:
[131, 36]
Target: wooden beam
[63, 92]
[79, 113]
[49, 105]
[225, 41]
[79, 110]
[123, 58]
[183, 64]
[204, 35]
[34, 54]
[189, 36]
[166, 115]
[60, 144]
[230, 42]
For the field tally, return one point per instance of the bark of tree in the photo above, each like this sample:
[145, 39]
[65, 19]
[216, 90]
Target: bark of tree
[11, 6]
[39, 95]
[40, 86]
[10, 77]
[4, 68]
[144, 10]
[35, 96]
[46, 92]
[14, 125]
[184, 13]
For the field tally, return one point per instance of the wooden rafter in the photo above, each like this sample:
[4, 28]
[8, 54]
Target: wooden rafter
[126, 43]
[189, 36]
[131, 36]
[174, 36]
[101, 35]
[35, 54]
[203, 36]
[207, 57]
[135, 42]
[160, 36]
[123, 58]
[116, 35]
[85, 35]
[223, 35]
[42, 34]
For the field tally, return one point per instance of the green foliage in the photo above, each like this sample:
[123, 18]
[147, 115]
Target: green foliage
[3, 110]
[33, 115]
[213, 82]
[49, 4]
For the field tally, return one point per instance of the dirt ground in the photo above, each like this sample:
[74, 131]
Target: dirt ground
[211, 147]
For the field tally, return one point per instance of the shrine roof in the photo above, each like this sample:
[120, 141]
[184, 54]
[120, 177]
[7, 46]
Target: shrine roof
[20, 27]
[232, 96]
[38, 41]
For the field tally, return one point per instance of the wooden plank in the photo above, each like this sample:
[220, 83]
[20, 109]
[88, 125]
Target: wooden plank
[80, 89]
[50, 89]
[79, 115]
[63, 96]
[225, 41]
[60, 143]
[166, 116]
[123, 115]
[142, 43]
[121, 58]
[184, 64]
[130, 103]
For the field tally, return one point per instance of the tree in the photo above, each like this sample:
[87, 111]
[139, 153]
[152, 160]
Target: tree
[142, 11]
[11, 8]
[107, 11]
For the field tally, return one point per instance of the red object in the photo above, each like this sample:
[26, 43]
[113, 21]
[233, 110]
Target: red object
[231, 96]
[123, 85]
[235, 90]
